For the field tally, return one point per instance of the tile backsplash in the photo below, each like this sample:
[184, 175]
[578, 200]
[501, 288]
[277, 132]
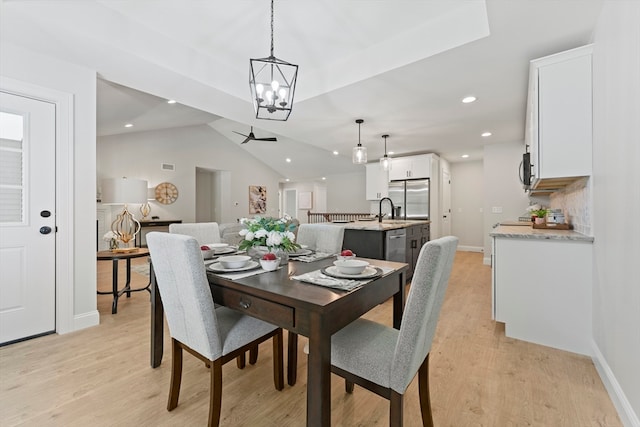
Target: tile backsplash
[575, 202]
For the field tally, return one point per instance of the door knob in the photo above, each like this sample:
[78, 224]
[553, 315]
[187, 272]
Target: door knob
[45, 230]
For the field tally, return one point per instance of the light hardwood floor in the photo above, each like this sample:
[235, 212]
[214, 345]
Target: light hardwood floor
[101, 376]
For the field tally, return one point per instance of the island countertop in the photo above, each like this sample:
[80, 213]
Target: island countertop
[385, 225]
[528, 232]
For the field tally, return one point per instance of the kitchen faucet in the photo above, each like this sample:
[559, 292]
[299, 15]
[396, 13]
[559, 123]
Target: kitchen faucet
[393, 216]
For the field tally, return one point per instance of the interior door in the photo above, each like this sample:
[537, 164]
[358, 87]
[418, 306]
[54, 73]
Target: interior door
[27, 217]
[446, 203]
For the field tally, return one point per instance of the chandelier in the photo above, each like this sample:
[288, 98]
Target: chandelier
[273, 83]
[359, 152]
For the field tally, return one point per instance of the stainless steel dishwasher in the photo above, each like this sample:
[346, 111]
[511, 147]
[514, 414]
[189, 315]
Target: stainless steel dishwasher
[395, 243]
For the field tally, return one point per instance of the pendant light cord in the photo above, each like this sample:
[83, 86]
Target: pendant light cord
[272, 29]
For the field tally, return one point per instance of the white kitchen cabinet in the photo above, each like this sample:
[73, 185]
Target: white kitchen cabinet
[541, 290]
[410, 167]
[377, 182]
[559, 117]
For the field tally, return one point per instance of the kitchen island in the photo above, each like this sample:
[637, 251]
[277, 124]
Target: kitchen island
[541, 285]
[391, 240]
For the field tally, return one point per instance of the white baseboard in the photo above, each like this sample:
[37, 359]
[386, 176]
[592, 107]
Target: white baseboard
[470, 248]
[86, 320]
[486, 260]
[626, 413]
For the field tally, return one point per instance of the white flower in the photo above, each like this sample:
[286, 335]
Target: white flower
[244, 232]
[274, 238]
[108, 236]
[289, 235]
[261, 233]
[249, 235]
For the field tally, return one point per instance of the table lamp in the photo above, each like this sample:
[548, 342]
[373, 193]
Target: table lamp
[122, 191]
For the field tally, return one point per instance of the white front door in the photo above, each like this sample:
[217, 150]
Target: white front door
[27, 217]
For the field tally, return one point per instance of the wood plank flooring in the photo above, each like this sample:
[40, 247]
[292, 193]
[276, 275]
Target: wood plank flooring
[101, 376]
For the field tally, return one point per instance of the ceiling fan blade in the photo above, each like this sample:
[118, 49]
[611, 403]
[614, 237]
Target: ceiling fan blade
[246, 140]
[246, 136]
[266, 139]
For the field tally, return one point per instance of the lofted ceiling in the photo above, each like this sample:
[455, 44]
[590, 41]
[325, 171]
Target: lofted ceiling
[402, 66]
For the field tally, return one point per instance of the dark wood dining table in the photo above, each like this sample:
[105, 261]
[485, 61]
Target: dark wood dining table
[302, 308]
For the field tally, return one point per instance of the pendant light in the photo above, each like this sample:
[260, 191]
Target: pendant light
[385, 162]
[359, 152]
[273, 84]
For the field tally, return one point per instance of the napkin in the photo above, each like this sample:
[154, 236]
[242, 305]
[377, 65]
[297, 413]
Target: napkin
[311, 257]
[317, 278]
[242, 274]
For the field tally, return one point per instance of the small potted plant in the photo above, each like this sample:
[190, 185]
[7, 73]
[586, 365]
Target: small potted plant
[539, 215]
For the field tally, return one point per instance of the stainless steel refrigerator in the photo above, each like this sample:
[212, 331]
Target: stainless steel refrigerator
[412, 197]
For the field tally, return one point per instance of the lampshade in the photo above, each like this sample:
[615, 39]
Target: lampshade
[273, 84]
[359, 156]
[120, 191]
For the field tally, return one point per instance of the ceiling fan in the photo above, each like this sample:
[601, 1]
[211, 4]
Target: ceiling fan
[252, 137]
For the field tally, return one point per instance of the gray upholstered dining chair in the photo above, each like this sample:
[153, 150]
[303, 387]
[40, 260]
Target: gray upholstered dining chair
[204, 232]
[385, 360]
[327, 238]
[213, 335]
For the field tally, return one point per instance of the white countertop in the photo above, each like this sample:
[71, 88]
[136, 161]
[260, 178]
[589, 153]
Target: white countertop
[384, 225]
[528, 232]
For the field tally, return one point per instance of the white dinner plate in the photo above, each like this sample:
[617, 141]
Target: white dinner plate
[216, 267]
[301, 252]
[226, 250]
[367, 273]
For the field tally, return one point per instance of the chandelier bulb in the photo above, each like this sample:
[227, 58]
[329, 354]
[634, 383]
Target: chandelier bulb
[275, 85]
[259, 89]
[283, 93]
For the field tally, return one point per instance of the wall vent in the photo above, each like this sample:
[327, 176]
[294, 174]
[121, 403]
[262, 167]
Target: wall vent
[168, 167]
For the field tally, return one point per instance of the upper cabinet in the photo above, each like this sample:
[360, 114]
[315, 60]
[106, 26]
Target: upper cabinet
[410, 167]
[377, 182]
[559, 118]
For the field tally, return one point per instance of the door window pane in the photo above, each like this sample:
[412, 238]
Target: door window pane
[11, 168]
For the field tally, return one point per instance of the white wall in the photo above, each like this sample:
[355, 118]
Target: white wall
[616, 199]
[75, 205]
[467, 204]
[140, 154]
[346, 193]
[502, 187]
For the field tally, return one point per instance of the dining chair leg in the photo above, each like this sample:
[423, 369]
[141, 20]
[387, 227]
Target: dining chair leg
[348, 386]
[278, 368]
[395, 412]
[241, 361]
[215, 393]
[176, 374]
[253, 354]
[425, 400]
[292, 358]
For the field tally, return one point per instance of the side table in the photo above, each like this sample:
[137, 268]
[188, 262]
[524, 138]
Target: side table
[114, 257]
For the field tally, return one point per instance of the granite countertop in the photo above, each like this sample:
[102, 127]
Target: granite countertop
[384, 225]
[528, 232]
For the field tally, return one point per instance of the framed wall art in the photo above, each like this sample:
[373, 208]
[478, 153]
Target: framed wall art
[257, 199]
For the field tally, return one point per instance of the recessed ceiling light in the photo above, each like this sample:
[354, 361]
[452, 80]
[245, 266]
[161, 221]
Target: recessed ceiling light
[324, 178]
[464, 156]
[468, 99]
[128, 125]
[486, 134]
[171, 101]
[288, 160]
[287, 180]
[335, 153]
[391, 152]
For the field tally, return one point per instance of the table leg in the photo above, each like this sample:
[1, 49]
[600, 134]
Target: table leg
[114, 281]
[157, 321]
[292, 357]
[127, 286]
[319, 374]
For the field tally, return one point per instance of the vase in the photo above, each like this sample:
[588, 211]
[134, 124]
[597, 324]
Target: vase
[539, 220]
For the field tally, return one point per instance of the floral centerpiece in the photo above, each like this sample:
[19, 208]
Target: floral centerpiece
[269, 235]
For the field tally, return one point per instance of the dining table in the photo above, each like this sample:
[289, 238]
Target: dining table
[314, 311]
